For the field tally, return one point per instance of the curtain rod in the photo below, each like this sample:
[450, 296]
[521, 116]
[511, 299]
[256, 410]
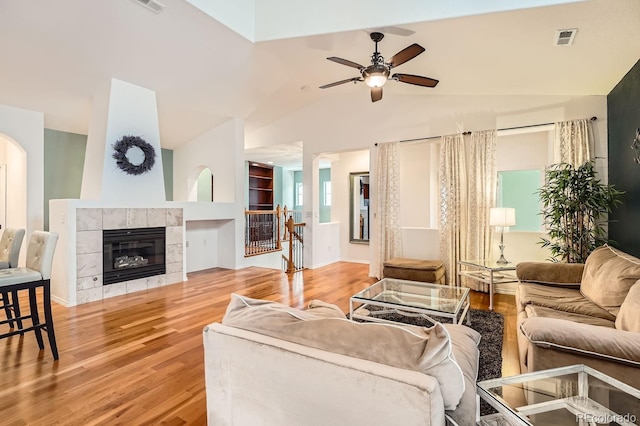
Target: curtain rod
[468, 133]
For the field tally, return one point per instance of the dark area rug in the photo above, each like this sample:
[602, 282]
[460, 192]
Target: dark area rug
[490, 325]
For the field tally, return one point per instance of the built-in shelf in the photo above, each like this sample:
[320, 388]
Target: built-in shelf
[260, 186]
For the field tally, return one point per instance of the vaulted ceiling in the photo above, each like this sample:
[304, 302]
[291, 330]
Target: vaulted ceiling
[55, 55]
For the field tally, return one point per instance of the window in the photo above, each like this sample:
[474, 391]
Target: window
[519, 189]
[327, 193]
[299, 195]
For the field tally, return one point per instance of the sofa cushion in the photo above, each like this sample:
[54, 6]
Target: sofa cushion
[628, 318]
[427, 350]
[465, 349]
[541, 311]
[608, 275]
[584, 339]
[560, 299]
[549, 273]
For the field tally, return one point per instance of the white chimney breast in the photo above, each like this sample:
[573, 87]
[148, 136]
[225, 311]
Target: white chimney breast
[122, 109]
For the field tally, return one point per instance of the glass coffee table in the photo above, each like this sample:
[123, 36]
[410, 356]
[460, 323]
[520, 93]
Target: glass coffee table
[573, 395]
[410, 298]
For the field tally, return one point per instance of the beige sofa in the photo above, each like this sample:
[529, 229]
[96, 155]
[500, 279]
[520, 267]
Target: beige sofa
[581, 314]
[269, 364]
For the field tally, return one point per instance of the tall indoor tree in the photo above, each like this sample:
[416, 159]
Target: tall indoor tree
[575, 205]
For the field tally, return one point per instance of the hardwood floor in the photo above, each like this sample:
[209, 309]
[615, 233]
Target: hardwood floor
[138, 358]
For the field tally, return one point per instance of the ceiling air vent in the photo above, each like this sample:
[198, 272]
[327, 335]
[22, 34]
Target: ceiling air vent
[565, 37]
[154, 5]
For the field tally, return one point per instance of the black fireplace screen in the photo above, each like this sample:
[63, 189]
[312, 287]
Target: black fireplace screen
[135, 253]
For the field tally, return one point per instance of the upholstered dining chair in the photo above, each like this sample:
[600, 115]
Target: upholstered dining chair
[36, 274]
[10, 245]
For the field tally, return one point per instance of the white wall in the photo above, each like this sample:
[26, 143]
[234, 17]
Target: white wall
[349, 162]
[25, 168]
[328, 243]
[291, 18]
[215, 149]
[201, 245]
[126, 110]
[222, 151]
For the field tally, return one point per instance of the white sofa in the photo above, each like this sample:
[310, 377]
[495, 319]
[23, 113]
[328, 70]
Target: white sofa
[253, 378]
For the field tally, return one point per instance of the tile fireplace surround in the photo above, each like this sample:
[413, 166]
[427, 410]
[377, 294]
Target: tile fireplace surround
[90, 222]
[78, 261]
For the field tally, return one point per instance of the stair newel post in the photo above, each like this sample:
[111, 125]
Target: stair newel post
[284, 234]
[291, 267]
[278, 241]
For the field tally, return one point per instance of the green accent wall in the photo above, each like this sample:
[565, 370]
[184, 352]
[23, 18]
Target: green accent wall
[325, 211]
[167, 167]
[297, 178]
[623, 118]
[63, 165]
[277, 187]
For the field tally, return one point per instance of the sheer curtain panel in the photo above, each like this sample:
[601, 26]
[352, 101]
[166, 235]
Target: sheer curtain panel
[453, 203]
[467, 191]
[573, 142]
[387, 207]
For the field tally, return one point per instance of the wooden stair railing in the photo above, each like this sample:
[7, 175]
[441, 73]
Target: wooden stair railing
[262, 231]
[266, 229]
[296, 246]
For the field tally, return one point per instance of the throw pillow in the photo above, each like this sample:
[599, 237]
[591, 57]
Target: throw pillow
[608, 275]
[426, 350]
[629, 316]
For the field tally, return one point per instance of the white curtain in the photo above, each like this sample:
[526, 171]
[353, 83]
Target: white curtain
[387, 207]
[573, 142]
[453, 201]
[467, 190]
[482, 193]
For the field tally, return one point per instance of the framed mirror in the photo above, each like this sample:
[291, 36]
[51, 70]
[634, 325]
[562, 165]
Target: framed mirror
[359, 208]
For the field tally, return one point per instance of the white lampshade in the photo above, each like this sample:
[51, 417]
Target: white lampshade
[502, 216]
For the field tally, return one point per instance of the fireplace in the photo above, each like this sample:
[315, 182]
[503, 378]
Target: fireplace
[130, 254]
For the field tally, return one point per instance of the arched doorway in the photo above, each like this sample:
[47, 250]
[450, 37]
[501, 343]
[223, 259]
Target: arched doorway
[13, 183]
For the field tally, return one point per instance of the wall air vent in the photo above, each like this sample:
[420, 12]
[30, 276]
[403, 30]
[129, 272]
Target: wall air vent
[565, 37]
[154, 5]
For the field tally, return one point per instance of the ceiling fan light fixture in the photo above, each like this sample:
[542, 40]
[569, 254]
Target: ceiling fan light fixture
[375, 75]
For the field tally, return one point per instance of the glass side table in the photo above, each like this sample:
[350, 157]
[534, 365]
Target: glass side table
[573, 395]
[488, 271]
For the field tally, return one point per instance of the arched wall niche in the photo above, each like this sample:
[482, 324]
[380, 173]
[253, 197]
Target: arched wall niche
[200, 184]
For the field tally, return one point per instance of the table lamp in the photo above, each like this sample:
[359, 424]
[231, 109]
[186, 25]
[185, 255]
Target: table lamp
[501, 218]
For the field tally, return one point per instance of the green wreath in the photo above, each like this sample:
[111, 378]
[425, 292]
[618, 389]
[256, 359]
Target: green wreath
[121, 148]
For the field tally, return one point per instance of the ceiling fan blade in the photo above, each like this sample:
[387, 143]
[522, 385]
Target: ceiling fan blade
[415, 79]
[354, 79]
[345, 62]
[399, 31]
[376, 94]
[406, 54]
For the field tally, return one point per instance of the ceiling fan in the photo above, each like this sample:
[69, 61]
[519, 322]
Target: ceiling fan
[377, 74]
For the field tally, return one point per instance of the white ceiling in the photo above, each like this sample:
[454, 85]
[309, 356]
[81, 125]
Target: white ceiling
[55, 54]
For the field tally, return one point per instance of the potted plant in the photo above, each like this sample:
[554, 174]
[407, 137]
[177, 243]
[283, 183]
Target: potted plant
[574, 207]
